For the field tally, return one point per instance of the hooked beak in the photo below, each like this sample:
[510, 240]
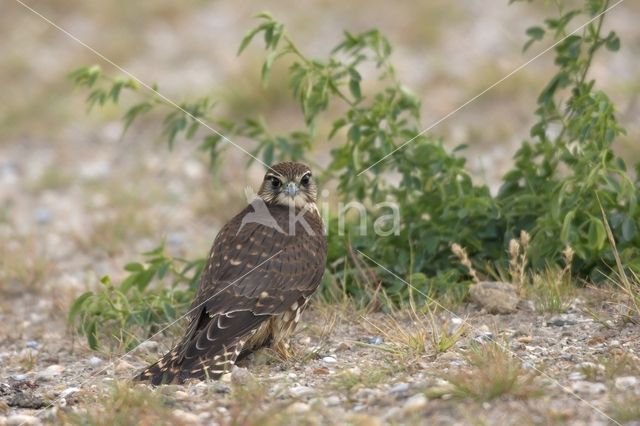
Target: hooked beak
[291, 189]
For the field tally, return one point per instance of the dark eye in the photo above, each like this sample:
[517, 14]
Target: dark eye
[305, 179]
[275, 182]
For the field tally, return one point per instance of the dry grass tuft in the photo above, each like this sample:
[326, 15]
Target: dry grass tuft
[411, 334]
[494, 373]
[121, 405]
[624, 409]
[23, 266]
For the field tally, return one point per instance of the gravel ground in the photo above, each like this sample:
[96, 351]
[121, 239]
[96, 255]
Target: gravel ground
[349, 367]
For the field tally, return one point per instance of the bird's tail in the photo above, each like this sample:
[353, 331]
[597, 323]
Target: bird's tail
[170, 369]
[165, 371]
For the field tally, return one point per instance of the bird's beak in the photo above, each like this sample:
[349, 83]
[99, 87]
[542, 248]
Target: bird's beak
[291, 189]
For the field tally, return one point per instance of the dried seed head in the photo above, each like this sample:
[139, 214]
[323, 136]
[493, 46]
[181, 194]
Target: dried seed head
[462, 255]
[568, 255]
[457, 250]
[524, 239]
[514, 248]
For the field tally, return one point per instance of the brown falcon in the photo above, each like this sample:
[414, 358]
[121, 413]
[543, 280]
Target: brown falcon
[262, 269]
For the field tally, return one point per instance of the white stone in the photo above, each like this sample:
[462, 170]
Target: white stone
[399, 388]
[298, 407]
[49, 372]
[332, 401]
[329, 360]
[626, 383]
[241, 376]
[415, 403]
[124, 367]
[575, 376]
[494, 296]
[55, 369]
[22, 419]
[298, 391]
[148, 346]
[185, 417]
[588, 388]
[95, 361]
[68, 391]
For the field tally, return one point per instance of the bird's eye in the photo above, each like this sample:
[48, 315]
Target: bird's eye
[275, 182]
[305, 179]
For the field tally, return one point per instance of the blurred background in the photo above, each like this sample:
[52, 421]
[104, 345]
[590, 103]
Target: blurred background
[78, 199]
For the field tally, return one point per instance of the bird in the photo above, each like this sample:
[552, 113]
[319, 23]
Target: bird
[263, 268]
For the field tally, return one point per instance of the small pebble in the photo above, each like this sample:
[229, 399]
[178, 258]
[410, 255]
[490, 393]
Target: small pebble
[588, 388]
[32, 344]
[185, 417]
[560, 322]
[20, 377]
[22, 419]
[241, 377]
[415, 403]
[375, 340]
[68, 391]
[626, 383]
[43, 215]
[49, 372]
[575, 376]
[175, 240]
[399, 388]
[366, 394]
[95, 361]
[124, 367]
[298, 391]
[181, 395]
[332, 401]
[343, 346]
[148, 346]
[329, 360]
[298, 407]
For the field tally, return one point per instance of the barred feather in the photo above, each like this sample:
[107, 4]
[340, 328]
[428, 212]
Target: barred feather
[253, 288]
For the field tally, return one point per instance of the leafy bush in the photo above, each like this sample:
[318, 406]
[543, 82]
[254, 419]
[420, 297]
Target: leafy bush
[134, 308]
[561, 176]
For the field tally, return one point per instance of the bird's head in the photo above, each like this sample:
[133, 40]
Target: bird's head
[289, 184]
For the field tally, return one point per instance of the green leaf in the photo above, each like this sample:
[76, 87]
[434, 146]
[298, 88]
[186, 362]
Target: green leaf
[248, 37]
[596, 234]
[536, 33]
[77, 305]
[267, 156]
[613, 42]
[354, 88]
[169, 311]
[266, 67]
[628, 229]
[566, 227]
[133, 113]
[92, 334]
[133, 267]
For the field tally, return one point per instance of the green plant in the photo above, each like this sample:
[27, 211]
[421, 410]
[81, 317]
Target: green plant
[559, 176]
[551, 194]
[120, 315]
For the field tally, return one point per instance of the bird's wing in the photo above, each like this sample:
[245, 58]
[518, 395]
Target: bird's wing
[253, 272]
